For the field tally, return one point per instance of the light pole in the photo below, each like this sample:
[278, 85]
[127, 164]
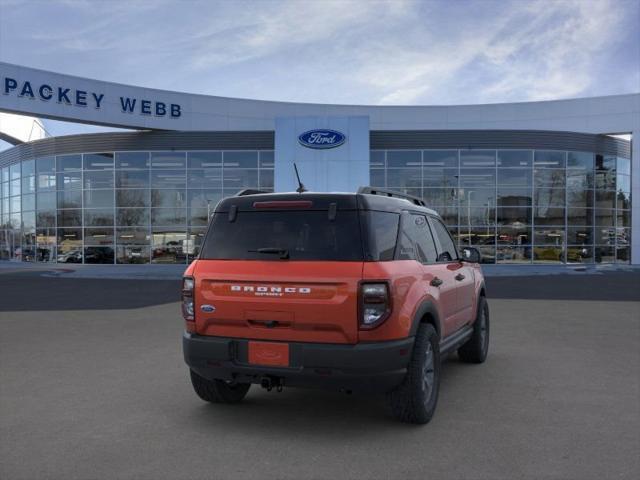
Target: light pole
[469, 216]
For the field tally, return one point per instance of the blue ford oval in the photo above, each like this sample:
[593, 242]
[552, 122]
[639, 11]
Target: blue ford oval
[322, 138]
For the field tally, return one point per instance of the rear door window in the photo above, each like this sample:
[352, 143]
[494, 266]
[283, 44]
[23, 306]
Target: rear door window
[447, 250]
[416, 242]
[277, 235]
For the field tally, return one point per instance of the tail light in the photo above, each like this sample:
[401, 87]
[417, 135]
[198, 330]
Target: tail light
[187, 299]
[375, 304]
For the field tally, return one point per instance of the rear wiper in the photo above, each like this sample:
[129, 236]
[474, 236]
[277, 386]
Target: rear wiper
[283, 252]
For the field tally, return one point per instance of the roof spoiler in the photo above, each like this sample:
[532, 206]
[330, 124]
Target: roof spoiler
[249, 191]
[390, 193]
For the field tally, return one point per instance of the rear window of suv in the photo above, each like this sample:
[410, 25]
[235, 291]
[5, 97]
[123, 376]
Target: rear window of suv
[275, 235]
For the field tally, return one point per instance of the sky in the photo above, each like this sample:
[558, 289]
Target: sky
[392, 52]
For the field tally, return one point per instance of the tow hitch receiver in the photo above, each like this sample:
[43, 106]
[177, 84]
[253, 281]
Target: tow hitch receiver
[269, 382]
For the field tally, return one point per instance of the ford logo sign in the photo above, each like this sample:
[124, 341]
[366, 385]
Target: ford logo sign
[208, 308]
[322, 138]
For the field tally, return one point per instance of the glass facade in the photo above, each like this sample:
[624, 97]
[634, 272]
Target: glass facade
[120, 207]
[515, 206]
[520, 206]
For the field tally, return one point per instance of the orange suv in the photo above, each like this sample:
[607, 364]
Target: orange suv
[354, 292]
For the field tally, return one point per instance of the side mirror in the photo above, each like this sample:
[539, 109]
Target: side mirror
[471, 255]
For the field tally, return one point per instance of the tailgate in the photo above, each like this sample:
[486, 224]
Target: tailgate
[301, 301]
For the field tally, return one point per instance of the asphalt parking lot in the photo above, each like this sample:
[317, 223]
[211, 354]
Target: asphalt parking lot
[93, 386]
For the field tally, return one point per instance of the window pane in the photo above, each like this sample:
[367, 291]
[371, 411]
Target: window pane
[376, 159]
[623, 200]
[168, 217]
[605, 163]
[175, 198]
[132, 198]
[507, 254]
[580, 198]
[98, 236]
[69, 237]
[266, 159]
[579, 255]
[514, 197]
[266, 179]
[45, 165]
[46, 181]
[98, 161]
[440, 159]
[605, 217]
[383, 231]
[46, 200]
[138, 160]
[207, 159]
[28, 168]
[168, 246]
[240, 159]
[440, 177]
[548, 254]
[69, 162]
[549, 197]
[204, 198]
[548, 215]
[549, 159]
[205, 178]
[70, 180]
[480, 197]
[98, 217]
[132, 236]
[513, 216]
[517, 234]
[70, 199]
[99, 254]
[584, 160]
[515, 158]
[199, 216]
[477, 158]
[624, 183]
[580, 236]
[168, 160]
[623, 166]
[580, 179]
[477, 177]
[46, 219]
[605, 199]
[132, 254]
[623, 218]
[239, 178]
[604, 254]
[29, 202]
[579, 216]
[14, 187]
[98, 179]
[132, 179]
[70, 218]
[168, 178]
[469, 235]
[98, 199]
[404, 158]
[447, 250]
[133, 216]
[404, 177]
[437, 197]
[514, 176]
[549, 178]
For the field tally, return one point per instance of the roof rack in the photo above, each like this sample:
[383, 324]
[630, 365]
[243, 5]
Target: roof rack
[249, 191]
[391, 193]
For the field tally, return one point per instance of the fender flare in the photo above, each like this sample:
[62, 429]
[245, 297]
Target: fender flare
[426, 307]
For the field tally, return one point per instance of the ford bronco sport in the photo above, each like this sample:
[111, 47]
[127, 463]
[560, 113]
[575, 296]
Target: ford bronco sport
[355, 292]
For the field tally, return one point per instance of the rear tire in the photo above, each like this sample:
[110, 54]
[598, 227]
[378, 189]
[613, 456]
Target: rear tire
[477, 347]
[415, 399]
[218, 391]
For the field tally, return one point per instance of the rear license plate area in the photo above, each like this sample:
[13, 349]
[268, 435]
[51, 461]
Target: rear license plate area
[269, 354]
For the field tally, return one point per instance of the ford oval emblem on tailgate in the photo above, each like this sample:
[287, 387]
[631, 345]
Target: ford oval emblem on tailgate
[208, 308]
[322, 138]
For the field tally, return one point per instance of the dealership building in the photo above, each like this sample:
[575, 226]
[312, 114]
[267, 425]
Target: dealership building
[538, 182]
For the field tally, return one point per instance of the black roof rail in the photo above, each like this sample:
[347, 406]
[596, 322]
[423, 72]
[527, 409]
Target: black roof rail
[249, 191]
[393, 194]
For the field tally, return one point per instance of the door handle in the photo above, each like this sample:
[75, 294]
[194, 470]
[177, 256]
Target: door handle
[436, 282]
[459, 277]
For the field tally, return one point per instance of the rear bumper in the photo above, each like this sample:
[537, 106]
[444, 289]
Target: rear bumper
[378, 366]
